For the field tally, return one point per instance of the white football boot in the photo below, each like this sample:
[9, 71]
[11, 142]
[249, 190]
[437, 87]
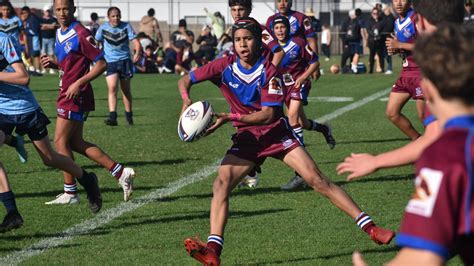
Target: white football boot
[64, 198]
[296, 182]
[250, 181]
[126, 182]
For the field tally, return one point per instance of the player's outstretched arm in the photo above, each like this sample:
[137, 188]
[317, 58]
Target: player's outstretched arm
[359, 165]
[19, 77]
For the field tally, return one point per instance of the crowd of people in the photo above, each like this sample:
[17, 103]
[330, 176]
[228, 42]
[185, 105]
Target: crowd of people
[265, 74]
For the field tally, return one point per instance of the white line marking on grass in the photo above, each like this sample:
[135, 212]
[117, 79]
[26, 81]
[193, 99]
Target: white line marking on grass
[108, 215]
[105, 217]
[353, 106]
[330, 99]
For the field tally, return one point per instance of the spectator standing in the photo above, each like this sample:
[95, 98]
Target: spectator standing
[351, 38]
[468, 15]
[149, 25]
[315, 23]
[387, 29]
[326, 41]
[182, 41]
[93, 25]
[33, 31]
[375, 41]
[207, 47]
[49, 24]
[218, 23]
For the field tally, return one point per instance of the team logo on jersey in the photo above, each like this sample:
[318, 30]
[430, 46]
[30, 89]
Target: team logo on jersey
[427, 185]
[92, 41]
[275, 87]
[67, 47]
[233, 85]
[307, 24]
[418, 92]
[406, 33]
[266, 37]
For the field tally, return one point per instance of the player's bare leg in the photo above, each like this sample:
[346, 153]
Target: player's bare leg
[127, 99]
[230, 173]
[301, 161]
[420, 109]
[395, 104]
[112, 83]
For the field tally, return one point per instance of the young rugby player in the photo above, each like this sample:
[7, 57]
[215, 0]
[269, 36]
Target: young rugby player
[299, 63]
[20, 111]
[75, 50]
[116, 35]
[439, 218]
[254, 91]
[408, 84]
[430, 14]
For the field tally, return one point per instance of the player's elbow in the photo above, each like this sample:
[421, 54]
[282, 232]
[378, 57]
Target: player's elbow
[23, 80]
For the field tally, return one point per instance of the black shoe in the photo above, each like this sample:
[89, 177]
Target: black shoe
[11, 221]
[110, 122]
[130, 121]
[91, 186]
[327, 132]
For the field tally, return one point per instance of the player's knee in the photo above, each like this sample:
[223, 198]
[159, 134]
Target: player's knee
[320, 184]
[392, 115]
[221, 187]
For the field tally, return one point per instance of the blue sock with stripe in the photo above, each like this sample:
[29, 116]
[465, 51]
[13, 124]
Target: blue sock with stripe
[8, 200]
[364, 222]
[116, 170]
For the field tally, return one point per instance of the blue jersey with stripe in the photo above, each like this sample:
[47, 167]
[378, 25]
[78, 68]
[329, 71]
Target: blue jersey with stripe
[11, 26]
[405, 28]
[14, 99]
[116, 40]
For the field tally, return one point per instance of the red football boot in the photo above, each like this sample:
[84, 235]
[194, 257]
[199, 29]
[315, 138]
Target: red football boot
[201, 252]
[381, 236]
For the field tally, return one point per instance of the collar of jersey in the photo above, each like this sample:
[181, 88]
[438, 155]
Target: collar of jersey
[252, 69]
[409, 13]
[73, 23]
[464, 121]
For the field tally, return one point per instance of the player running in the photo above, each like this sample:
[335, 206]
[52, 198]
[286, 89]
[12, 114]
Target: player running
[430, 14]
[254, 91]
[437, 224]
[75, 50]
[116, 35]
[299, 63]
[408, 84]
[20, 111]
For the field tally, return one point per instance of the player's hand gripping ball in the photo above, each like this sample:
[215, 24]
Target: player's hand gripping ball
[194, 121]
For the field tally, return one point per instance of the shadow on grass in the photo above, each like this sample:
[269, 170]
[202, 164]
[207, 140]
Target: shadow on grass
[143, 163]
[326, 257]
[21, 237]
[20, 249]
[197, 215]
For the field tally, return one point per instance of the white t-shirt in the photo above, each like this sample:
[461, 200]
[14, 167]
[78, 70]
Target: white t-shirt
[325, 36]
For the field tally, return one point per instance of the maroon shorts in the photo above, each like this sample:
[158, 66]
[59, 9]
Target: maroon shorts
[409, 84]
[255, 143]
[299, 94]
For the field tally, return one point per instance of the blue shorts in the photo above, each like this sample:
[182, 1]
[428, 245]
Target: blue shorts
[34, 124]
[73, 116]
[355, 48]
[34, 45]
[122, 67]
[47, 46]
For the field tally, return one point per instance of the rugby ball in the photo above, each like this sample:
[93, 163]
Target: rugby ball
[194, 121]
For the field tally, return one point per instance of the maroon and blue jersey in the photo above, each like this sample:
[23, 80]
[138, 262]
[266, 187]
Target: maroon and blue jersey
[245, 90]
[300, 24]
[298, 56]
[75, 50]
[440, 216]
[405, 31]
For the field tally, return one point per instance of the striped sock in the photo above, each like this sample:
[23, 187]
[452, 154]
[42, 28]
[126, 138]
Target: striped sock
[116, 170]
[364, 222]
[8, 200]
[70, 188]
[299, 132]
[215, 242]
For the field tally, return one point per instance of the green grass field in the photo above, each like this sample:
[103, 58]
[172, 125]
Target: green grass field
[266, 225]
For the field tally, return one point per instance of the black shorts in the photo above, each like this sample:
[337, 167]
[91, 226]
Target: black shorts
[34, 124]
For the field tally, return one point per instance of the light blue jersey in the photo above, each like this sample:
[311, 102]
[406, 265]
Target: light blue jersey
[11, 26]
[116, 40]
[14, 99]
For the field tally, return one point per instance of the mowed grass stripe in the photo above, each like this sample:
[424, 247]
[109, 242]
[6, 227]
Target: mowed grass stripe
[107, 216]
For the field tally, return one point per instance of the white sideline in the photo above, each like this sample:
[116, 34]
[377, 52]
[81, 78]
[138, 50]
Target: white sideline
[107, 216]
